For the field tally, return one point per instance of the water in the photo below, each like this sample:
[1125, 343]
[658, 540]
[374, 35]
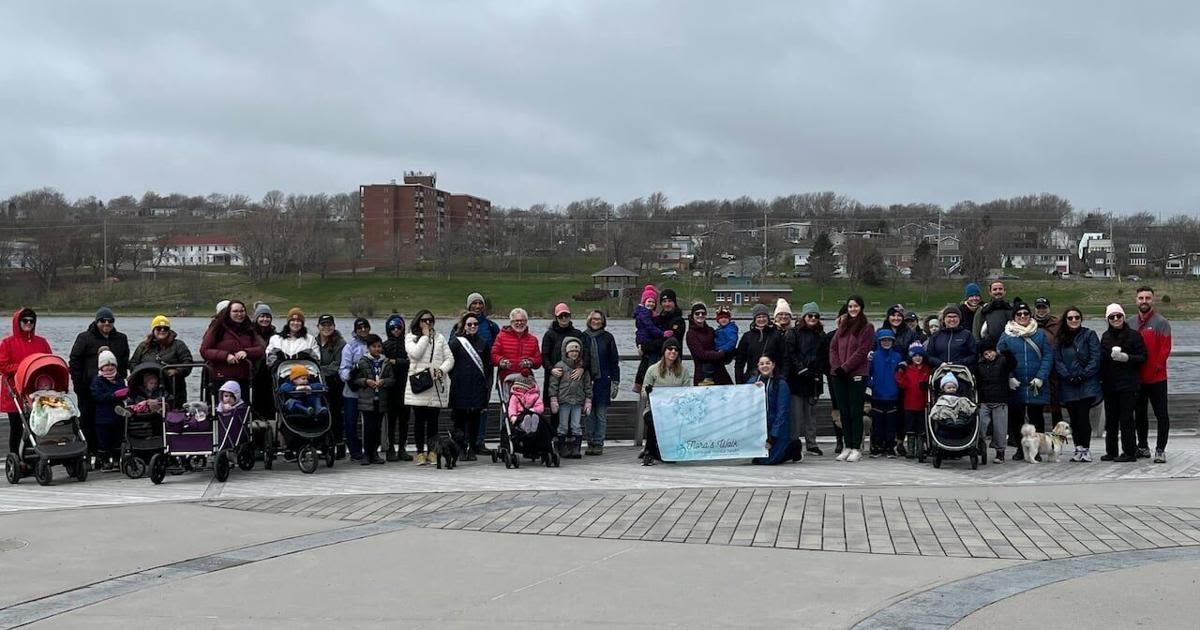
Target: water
[61, 332]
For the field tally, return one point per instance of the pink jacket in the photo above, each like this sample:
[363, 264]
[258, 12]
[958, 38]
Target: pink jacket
[519, 401]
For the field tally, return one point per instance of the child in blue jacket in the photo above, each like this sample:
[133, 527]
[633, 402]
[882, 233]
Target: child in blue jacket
[779, 417]
[108, 393]
[885, 393]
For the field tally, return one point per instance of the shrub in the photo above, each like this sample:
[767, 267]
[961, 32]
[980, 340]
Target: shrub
[1166, 299]
[590, 295]
[362, 306]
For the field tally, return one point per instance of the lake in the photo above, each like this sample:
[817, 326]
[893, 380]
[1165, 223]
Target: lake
[61, 332]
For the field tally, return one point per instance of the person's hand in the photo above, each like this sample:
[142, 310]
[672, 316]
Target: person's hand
[556, 372]
[438, 373]
[839, 371]
[1013, 383]
[553, 405]
[504, 363]
[770, 442]
[526, 363]
[667, 334]
[870, 355]
[241, 355]
[576, 374]
[231, 359]
[172, 372]
[616, 387]
[1036, 383]
[392, 361]
[758, 384]
[587, 407]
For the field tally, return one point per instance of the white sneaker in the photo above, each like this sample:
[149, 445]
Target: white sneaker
[843, 455]
[1078, 456]
[1087, 455]
[855, 455]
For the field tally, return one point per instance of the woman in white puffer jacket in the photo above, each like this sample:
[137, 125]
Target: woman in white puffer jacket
[429, 353]
[292, 341]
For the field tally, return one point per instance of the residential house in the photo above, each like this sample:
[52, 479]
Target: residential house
[743, 293]
[1055, 261]
[1179, 265]
[674, 252]
[1136, 257]
[897, 257]
[1098, 256]
[800, 256]
[614, 280]
[202, 249]
[795, 231]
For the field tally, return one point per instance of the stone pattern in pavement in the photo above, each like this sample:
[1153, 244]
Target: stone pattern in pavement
[778, 518]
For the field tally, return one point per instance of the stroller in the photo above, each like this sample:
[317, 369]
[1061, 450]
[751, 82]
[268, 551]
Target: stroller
[143, 429]
[528, 433]
[193, 435]
[961, 436]
[310, 437]
[50, 420]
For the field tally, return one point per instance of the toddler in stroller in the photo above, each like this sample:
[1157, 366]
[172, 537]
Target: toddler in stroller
[301, 398]
[530, 433]
[950, 409]
[143, 413]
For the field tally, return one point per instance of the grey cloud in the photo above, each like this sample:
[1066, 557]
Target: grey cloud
[524, 102]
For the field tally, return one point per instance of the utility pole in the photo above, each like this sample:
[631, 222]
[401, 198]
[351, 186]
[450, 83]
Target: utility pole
[762, 273]
[104, 218]
[937, 259]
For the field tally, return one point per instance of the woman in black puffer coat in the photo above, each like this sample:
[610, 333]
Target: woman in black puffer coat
[1122, 353]
[470, 380]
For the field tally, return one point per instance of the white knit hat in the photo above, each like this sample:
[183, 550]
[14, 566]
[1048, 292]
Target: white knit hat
[1113, 308]
[107, 358]
[781, 306]
[221, 305]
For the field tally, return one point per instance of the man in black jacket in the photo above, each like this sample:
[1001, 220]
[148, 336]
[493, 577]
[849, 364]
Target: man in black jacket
[84, 363]
[1122, 353]
[552, 342]
[991, 319]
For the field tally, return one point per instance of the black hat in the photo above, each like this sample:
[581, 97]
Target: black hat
[669, 294]
[952, 309]
[1040, 302]
[672, 343]
[1020, 305]
[360, 322]
[699, 306]
[325, 319]
[911, 316]
[987, 343]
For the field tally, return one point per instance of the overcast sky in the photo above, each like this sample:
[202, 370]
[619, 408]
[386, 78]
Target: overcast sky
[549, 101]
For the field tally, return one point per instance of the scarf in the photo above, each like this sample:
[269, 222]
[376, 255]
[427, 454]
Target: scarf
[1014, 329]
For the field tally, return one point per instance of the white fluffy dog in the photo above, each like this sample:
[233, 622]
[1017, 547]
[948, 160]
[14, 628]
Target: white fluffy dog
[1049, 445]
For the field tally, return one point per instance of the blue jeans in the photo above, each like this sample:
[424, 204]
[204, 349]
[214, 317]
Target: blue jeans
[597, 425]
[482, 435]
[570, 419]
[350, 425]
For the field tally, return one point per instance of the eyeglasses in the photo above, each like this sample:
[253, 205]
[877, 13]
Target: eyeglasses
[563, 316]
[700, 313]
[812, 316]
[1116, 316]
[1074, 318]
[161, 329]
[517, 322]
[106, 320]
[671, 350]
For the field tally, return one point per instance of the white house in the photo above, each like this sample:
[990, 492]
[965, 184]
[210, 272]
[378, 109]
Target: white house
[800, 256]
[1049, 260]
[674, 252]
[795, 231]
[203, 249]
[1097, 254]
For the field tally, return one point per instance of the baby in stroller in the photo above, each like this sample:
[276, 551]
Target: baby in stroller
[950, 408]
[231, 399]
[301, 398]
[525, 406]
[145, 395]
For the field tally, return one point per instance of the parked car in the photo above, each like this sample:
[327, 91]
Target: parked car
[1133, 278]
[670, 273]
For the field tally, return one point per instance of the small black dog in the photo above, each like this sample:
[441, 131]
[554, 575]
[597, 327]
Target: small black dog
[447, 448]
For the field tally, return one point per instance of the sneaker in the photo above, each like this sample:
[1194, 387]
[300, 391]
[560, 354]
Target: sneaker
[392, 456]
[1078, 456]
[815, 450]
[404, 456]
[874, 454]
[482, 449]
[1086, 456]
[890, 454]
[843, 455]
[855, 455]
[1126, 457]
[421, 461]
[1143, 453]
[1107, 457]
[374, 459]
[1160, 456]
[999, 457]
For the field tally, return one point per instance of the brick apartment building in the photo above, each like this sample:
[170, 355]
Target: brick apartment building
[405, 222]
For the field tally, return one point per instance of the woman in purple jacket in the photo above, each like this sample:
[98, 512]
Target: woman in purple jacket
[848, 373]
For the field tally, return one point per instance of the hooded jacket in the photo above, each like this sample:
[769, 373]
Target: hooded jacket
[883, 364]
[515, 347]
[85, 356]
[331, 359]
[470, 383]
[13, 349]
[552, 344]
[1156, 335]
[991, 319]
[1116, 377]
[354, 350]
[567, 391]
[803, 362]
[992, 384]
[779, 423]
[608, 360]
[393, 349]
[913, 380]
[647, 333]
[281, 347]
[702, 344]
[755, 343]
[1078, 366]
[227, 338]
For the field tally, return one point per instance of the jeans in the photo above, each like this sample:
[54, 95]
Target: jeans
[426, 427]
[370, 430]
[597, 425]
[1019, 413]
[884, 418]
[481, 431]
[1118, 416]
[850, 392]
[300, 407]
[570, 419]
[350, 425]
[467, 421]
[804, 424]
[995, 415]
[1081, 423]
[1156, 395]
[15, 431]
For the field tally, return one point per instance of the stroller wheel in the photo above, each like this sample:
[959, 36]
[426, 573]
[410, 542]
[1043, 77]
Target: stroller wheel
[81, 469]
[937, 460]
[12, 468]
[307, 460]
[245, 457]
[516, 461]
[507, 460]
[158, 468]
[134, 467]
[494, 457]
[221, 467]
[974, 461]
[43, 472]
[554, 459]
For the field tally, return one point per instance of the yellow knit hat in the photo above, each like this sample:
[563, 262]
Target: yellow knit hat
[160, 320]
[297, 371]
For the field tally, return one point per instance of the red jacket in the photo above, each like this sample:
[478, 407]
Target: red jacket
[1156, 332]
[233, 339]
[849, 350]
[13, 349]
[910, 378]
[515, 347]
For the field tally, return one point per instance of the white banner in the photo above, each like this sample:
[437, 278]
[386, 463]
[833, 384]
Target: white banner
[701, 423]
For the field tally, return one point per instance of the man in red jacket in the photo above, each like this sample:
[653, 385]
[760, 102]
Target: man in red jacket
[1156, 332]
[15, 347]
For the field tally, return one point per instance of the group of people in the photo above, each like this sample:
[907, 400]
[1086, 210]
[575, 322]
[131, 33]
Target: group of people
[1026, 362]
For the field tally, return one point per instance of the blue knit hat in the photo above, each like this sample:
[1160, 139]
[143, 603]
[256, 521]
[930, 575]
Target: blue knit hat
[973, 290]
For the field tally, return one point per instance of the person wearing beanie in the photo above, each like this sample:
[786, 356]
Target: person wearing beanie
[648, 335]
[669, 371]
[670, 317]
[848, 350]
[649, 293]
[894, 321]
[885, 359]
[992, 386]
[762, 338]
[913, 380]
[782, 315]
[395, 447]
[805, 355]
[553, 340]
[164, 347]
[262, 400]
[222, 305]
[913, 321]
[1122, 353]
[1031, 374]
[991, 318]
[107, 392]
[84, 364]
[710, 347]
[293, 342]
[330, 344]
[570, 398]
[355, 348]
[951, 343]
[972, 301]
[302, 397]
[372, 378]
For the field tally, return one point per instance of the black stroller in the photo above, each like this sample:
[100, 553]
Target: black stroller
[528, 433]
[309, 436]
[960, 436]
[143, 430]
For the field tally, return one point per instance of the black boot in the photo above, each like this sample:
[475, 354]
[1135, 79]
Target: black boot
[839, 435]
[392, 455]
[576, 443]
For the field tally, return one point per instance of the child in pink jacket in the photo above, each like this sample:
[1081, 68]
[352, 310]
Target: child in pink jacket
[525, 396]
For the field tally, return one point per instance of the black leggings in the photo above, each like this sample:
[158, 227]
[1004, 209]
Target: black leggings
[1156, 395]
[467, 421]
[1019, 413]
[426, 427]
[15, 431]
[397, 425]
[1081, 423]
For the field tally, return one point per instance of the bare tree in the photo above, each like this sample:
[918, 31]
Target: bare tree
[924, 267]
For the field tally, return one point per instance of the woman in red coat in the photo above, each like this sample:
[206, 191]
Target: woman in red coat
[231, 346]
[15, 347]
[854, 338]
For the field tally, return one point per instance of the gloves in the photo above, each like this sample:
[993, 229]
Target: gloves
[870, 355]
[1120, 357]
[616, 387]
[553, 405]
[1035, 383]
[649, 389]
[839, 371]
[667, 334]
[1013, 383]
[587, 407]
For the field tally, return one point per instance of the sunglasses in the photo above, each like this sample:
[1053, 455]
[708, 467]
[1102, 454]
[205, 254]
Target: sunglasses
[1023, 314]
[671, 350]
[161, 329]
[812, 316]
[1074, 318]
[563, 316]
[472, 324]
[1116, 316]
[700, 313]
[105, 320]
[27, 320]
[426, 320]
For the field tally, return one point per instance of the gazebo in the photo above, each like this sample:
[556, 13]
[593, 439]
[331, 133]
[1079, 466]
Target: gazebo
[614, 280]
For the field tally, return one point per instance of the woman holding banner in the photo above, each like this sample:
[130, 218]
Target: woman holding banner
[779, 422]
[670, 371]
